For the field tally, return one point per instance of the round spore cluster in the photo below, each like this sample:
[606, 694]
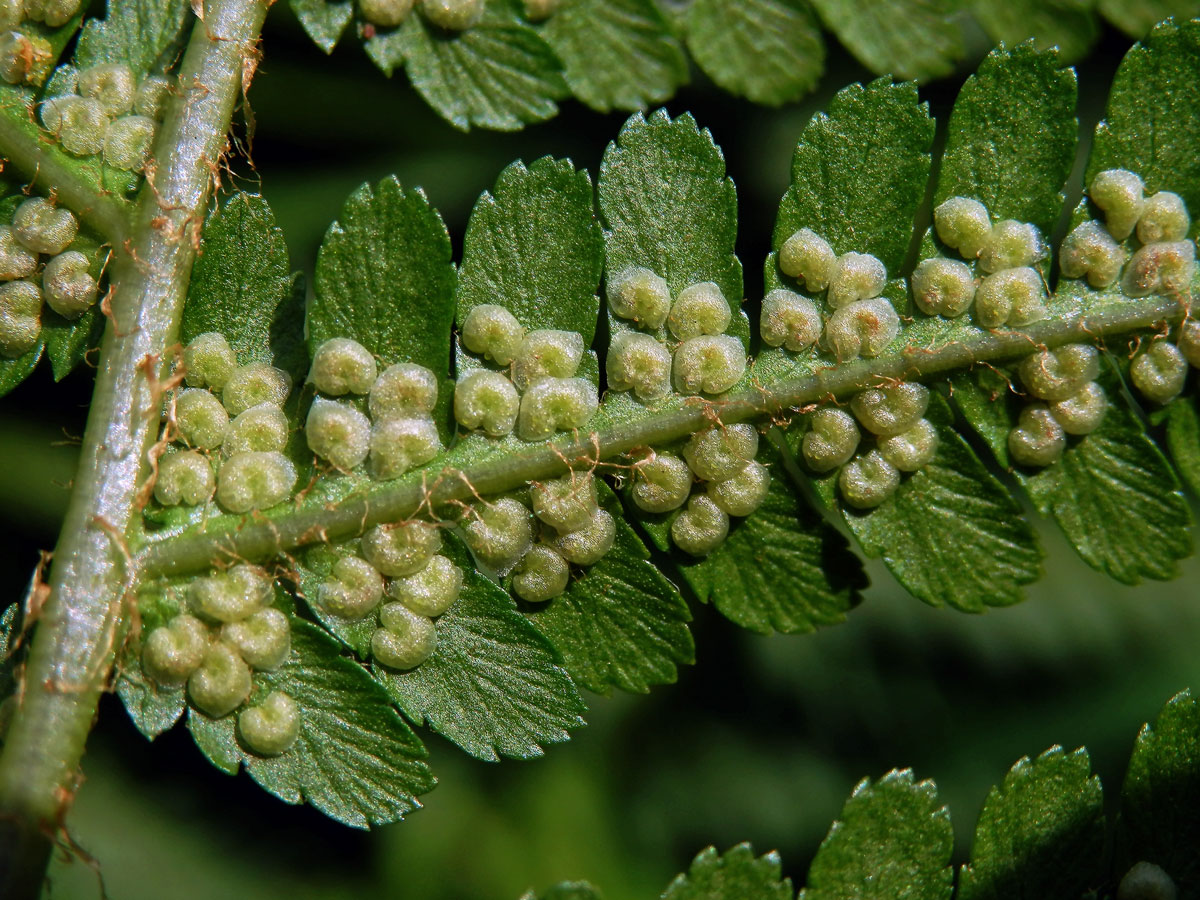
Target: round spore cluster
[998, 280]
[717, 477]
[499, 532]
[534, 542]
[400, 578]
[38, 270]
[671, 341]
[1067, 401]
[395, 434]
[529, 383]
[229, 631]
[228, 432]
[109, 112]
[573, 530]
[860, 322]
[883, 438]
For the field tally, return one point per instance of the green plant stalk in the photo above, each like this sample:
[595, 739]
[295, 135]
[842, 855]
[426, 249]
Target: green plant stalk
[81, 621]
[27, 155]
[263, 539]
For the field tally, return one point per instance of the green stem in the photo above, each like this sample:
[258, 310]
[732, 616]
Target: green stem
[24, 149]
[81, 622]
[396, 502]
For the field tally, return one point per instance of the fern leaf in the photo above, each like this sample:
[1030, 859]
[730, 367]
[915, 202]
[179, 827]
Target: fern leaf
[1040, 833]
[916, 39]
[859, 172]
[494, 685]
[1069, 25]
[629, 54]
[1161, 790]
[1012, 137]
[355, 759]
[243, 287]
[623, 624]
[668, 205]
[63, 342]
[1107, 478]
[768, 51]
[735, 873]
[535, 246]
[499, 74]
[154, 708]
[892, 839]
[388, 251]
[617, 54]
[1152, 112]
[1137, 19]
[782, 569]
[953, 535]
[322, 21]
[1183, 439]
[1118, 502]
[500, 678]
[145, 35]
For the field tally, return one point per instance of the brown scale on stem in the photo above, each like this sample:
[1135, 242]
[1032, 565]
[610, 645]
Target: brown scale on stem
[35, 599]
[157, 390]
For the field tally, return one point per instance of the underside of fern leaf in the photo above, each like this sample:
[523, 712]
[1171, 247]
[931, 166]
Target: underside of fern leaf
[399, 432]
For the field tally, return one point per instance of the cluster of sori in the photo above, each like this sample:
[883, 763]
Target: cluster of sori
[1163, 263]
[904, 441]
[229, 631]
[861, 322]
[65, 282]
[541, 394]
[109, 112]
[451, 15]
[237, 410]
[571, 529]
[728, 482]
[397, 435]
[701, 358]
[1010, 290]
[1070, 402]
[422, 583]
[25, 55]
[1165, 259]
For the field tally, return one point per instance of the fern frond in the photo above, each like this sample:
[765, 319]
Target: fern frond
[536, 607]
[498, 675]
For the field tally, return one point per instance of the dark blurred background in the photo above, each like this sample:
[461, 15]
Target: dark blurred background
[763, 740]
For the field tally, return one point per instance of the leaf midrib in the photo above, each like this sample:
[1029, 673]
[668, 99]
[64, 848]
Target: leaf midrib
[394, 502]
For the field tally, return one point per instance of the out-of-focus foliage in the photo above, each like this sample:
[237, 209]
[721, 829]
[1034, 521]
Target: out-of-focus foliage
[509, 69]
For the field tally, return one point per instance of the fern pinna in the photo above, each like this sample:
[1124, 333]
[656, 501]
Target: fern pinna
[443, 495]
[339, 534]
